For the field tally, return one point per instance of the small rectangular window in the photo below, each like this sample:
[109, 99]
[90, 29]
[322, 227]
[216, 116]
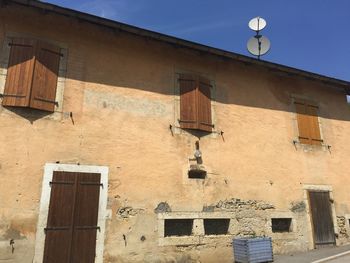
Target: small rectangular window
[281, 225]
[348, 98]
[216, 226]
[178, 227]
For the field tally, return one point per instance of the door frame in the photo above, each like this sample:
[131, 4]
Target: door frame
[321, 188]
[45, 202]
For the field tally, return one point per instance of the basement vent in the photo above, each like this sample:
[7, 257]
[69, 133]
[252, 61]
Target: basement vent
[216, 226]
[280, 225]
[178, 227]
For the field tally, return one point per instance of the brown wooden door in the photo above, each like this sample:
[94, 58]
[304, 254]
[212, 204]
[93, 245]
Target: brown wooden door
[321, 218]
[72, 219]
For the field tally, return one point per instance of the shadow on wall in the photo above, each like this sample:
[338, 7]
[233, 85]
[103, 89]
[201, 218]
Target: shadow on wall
[134, 62]
[30, 114]
[101, 55]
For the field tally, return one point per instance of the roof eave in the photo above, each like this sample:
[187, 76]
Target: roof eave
[177, 41]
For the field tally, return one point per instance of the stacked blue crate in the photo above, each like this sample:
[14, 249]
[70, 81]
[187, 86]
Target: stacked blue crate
[252, 250]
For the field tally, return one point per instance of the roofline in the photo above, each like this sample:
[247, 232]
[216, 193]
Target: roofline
[175, 41]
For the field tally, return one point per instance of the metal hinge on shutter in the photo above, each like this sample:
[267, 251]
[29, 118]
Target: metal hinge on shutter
[91, 183]
[207, 124]
[61, 182]
[48, 101]
[19, 45]
[54, 52]
[186, 121]
[88, 227]
[56, 228]
[12, 95]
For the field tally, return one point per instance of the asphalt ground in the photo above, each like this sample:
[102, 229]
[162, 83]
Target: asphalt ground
[314, 255]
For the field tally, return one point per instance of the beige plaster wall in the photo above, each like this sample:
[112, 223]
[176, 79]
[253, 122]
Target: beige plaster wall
[120, 90]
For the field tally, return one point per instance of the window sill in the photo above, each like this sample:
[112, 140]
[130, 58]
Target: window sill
[311, 147]
[175, 129]
[194, 240]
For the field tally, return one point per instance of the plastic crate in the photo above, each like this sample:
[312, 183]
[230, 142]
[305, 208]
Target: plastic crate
[252, 250]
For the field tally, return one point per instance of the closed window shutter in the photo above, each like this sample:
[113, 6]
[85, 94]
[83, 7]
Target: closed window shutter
[315, 134]
[204, 105]
[303, 122]
[45, 77]
[19, 73]
[307, 117]
[188, 102]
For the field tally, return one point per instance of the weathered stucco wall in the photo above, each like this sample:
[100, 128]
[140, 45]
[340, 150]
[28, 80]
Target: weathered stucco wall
[120, 90]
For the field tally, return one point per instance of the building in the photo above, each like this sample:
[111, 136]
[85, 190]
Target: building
[120, 144]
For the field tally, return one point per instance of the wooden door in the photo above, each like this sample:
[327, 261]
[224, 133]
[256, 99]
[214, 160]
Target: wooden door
[322, 221]
[72, 219]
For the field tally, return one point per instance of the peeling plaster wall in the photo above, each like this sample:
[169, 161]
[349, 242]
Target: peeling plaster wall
[120, 90]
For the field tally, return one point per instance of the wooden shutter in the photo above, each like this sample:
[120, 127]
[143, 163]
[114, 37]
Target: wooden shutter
[59, 223]
[19, 73]
[315, 135]
[204, 105]
[188, 102]
[85, 218]
[72, 219]
[307, 117]
[303, 122]
[45, 77]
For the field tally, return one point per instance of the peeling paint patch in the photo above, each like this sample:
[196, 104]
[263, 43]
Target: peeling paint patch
[12, 234]
[162, 207]
[143, 107]
[128, 211]
[235, 203]
[298, 207]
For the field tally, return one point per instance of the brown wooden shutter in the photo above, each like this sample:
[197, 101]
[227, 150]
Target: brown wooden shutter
[307, 117]
[204, 105]
[303, 122]
[188, 102]
[72, 219]
[315, 134]
[45, 77]
[59, 223]
[85, 218]
[19, 73]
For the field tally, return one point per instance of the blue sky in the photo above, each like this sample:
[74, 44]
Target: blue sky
[308, 34]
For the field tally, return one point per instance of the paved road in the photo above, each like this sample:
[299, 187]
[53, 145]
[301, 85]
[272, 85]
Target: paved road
[344, 259]
[316, 254]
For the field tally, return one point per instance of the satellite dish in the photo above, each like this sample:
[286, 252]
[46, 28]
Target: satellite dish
[257, 24]
[258, 45]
